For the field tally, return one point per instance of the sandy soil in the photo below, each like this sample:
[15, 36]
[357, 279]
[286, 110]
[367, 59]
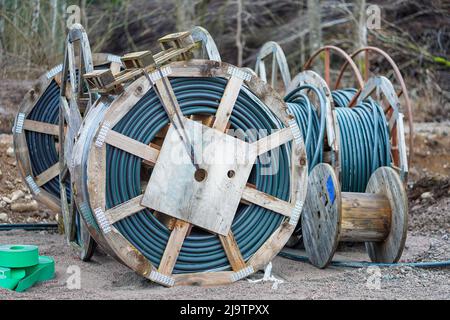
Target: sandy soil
[103, 278]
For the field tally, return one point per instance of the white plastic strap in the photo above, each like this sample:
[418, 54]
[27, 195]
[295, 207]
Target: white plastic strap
[162, 279]
[268, 276]
[102, 135]
[53, 72]
[296, 131]
[20, 122]
[243, 273]
[114, 58]
[296, 212]
[241, 74]
[33, 186]
[102, 220]
[159, 74]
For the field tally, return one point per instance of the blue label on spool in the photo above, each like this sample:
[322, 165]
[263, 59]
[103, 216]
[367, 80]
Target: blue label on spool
[330, 189]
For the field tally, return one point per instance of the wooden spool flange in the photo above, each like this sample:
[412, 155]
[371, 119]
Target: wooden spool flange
[378, 217]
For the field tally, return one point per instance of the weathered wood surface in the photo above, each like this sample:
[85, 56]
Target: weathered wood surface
[385, 181]
[322, 218]
[365, 217]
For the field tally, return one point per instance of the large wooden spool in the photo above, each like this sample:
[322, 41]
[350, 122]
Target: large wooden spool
[22, 124]
[212, 197]
[378, 217]
[205, 48]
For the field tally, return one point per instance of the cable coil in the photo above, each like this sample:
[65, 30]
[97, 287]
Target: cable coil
[252, 224]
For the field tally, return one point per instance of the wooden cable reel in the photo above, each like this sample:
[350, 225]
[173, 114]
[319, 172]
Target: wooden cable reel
[401, 157]
[76, 100]
[325, 83]
[239, 190]
[378, 217]
[35, 180]
[96, 115]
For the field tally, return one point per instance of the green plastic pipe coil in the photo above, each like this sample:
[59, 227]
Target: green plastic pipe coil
[201, 251]
[18, 256]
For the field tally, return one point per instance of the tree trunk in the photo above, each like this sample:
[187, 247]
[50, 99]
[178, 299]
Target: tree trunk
[36, 7]
[315, 30]
[360, 34]
[61, 42]
[2, 29]
[36, 12]
[185, 12]
[84, 18]
[15, 14]
[239, 45]
[54, 6]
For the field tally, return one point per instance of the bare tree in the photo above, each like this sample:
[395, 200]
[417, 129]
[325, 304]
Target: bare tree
[15, 14]
[185, 12]
[2, 28]
[239, 45]
[36, 13]
[84, 16]
[54, 6]
[315, 29]
[360, 30]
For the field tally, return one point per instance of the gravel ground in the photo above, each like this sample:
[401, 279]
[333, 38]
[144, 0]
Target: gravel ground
[104, 278]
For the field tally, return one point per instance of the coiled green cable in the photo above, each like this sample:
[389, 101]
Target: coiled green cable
[252, 224]
[311, 120]
[364, 141]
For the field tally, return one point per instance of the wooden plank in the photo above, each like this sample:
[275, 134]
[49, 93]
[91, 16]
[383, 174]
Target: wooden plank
[48, 175]
[134, 147]
[227, 103]
[273, 141]
[208, 203]
[267, 201]
[232, 251]
[41, 127]
[125, 210]
[204, 279]
[173, 247]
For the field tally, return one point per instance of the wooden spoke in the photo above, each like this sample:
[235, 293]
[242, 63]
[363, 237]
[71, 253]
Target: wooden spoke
[252, 195]
[48, 175]
[124, 210]
[41, 127]
[169, 101]
[273, 141]
[227, 103]
[327, 66]
[127, 144]
[173, 247]
[232, 251]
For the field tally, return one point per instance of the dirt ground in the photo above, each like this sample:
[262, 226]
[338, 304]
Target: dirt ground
[103, 278]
